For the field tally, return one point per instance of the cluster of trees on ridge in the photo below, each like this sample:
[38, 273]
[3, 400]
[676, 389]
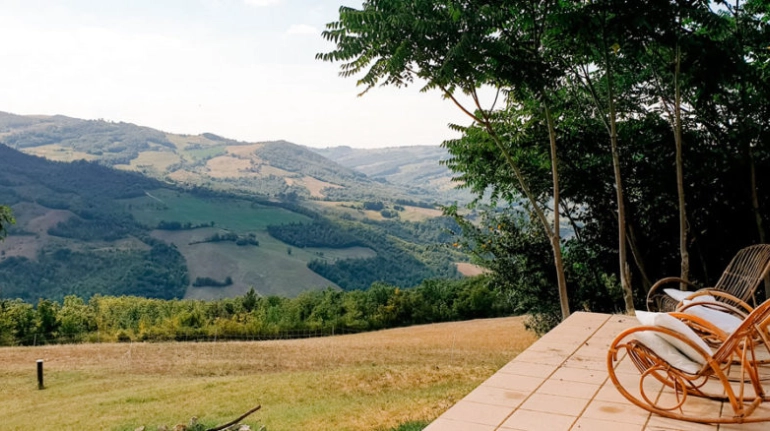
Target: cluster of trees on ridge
[114, 143]
[326, 312]
[160, 272]
[241, 240]
[642, 124]
[396, 262]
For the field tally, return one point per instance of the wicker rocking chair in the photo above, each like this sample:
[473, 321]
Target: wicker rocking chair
[739, 281]
[676, 365]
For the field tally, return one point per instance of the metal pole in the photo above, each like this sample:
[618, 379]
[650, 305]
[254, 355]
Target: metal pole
[40, 374]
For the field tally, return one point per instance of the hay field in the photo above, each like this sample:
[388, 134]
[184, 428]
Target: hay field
[369, 381]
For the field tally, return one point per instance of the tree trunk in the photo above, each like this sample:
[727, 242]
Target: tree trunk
[625, 278]
[637, 255]
[556, 237]
[552, 233]
[685, 256]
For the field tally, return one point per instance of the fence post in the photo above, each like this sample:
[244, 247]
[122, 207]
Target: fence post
[40, 374]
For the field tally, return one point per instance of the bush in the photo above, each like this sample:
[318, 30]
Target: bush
[123, 336]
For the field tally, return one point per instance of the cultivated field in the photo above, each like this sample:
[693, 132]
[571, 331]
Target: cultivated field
[241, 216]
[278, 273]
[370, 381]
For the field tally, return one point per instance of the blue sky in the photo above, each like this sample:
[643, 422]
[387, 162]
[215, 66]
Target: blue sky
[243, 69]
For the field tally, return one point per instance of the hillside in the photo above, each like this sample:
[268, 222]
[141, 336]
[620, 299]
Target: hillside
[84, 228]
[416, 166]
[270, 169]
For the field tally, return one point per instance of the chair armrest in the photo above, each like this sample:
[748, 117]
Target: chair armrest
[655, 296]
[725, 301]
[718, 306]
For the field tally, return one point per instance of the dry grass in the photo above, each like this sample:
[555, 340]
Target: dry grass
[159, 160]
[246, 151]
[469, 269]
[314, 185]
[370, 381]
[59, 153]
[228, 167]
[419, 214]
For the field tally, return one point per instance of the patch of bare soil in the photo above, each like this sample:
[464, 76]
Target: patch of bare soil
[228, 167]
[245, 151]
[315, 186]
[469, 269]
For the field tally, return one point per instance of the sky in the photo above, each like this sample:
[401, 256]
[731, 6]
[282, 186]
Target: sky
[242, 69]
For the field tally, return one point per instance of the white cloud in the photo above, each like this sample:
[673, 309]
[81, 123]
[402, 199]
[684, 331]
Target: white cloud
[302, 29]
[261, 3]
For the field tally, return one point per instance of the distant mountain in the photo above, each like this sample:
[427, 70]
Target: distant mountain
[413, 166]
[277, 169]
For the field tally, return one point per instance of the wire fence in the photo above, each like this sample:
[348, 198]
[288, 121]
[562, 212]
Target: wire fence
[189, 336]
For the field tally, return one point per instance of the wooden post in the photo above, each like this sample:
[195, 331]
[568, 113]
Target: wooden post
[40, 374]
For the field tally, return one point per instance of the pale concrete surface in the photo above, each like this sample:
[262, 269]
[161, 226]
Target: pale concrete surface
[561, 383]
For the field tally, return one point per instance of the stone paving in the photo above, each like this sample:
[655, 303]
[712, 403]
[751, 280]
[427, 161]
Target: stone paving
[561, 383]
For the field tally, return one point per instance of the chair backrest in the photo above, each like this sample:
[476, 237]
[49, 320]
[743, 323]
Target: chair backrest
[753, 327]
[744, 273]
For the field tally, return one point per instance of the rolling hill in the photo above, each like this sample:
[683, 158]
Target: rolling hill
[115, 208]
[415, 166]
[270, 169]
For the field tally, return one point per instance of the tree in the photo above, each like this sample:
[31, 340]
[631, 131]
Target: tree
[593, 35]
[6, 219]
[457, 47]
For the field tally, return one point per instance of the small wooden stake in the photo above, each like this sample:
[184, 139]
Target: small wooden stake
[40, 374]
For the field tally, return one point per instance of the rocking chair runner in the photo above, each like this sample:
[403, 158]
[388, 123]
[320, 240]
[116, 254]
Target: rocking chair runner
[740, 279]
[657, 353]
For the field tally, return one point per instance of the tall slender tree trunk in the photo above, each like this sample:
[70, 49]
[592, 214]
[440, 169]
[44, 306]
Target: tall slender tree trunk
[556, 236]
[553, 233]
[684, 254]
[637, 255]
[625, 277]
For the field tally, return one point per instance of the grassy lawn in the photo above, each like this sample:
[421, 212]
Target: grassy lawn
[371, 381]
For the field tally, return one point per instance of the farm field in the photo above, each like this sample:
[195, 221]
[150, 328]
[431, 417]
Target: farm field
[241, 216]
[368, 381]
[278, 273]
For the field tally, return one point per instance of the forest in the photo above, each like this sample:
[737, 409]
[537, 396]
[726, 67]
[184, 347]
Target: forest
[249, 317]
[642, 126]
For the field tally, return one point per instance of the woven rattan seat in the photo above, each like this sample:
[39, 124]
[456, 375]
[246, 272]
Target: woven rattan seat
[730, 374]
[740, 280]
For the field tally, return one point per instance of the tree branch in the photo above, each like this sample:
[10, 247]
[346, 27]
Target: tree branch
[240, 418]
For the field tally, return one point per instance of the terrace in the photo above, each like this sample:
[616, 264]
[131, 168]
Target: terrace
[561, 383]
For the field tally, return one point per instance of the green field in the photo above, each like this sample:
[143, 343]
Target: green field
[272, 268]
[370, 381]
[206, 153]
[241, 216]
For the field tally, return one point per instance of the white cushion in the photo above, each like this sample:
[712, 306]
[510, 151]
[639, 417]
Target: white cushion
[678, 295]
[664, 320]
[724, 321]
[667, 352]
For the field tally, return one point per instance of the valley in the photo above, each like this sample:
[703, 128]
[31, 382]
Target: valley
[115, 208]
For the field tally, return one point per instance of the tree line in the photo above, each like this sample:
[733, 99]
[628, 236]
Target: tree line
[251, 316]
